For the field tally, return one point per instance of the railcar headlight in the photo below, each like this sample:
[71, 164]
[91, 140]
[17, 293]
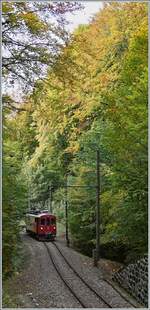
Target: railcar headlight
[41, 228]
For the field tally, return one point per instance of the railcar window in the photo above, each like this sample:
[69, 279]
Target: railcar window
[42, 221]
[53, 221]
[48, 221]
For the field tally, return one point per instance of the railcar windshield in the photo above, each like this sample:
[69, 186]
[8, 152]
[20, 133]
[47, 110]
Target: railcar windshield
[42, 221]
[48, 221]
[53, 221]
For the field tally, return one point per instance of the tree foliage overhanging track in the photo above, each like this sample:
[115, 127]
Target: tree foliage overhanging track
[93, 97]
[32, 35]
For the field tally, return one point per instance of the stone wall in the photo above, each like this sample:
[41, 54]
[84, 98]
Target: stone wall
[134, 278]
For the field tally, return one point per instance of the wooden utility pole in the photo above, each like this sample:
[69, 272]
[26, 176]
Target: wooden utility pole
[66, 213]
[97, 209]
[29, 203]
[51, 197]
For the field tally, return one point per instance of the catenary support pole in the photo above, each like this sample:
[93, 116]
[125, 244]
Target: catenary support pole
[66, 213]
[29, 203]
[98, 209]
[51, 197]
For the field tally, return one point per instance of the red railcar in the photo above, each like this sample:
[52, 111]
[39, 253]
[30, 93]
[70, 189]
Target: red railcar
[41, 224]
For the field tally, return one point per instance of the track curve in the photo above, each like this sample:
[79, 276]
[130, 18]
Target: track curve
[62, 278]
[89, 286]
[98, 300]
[82, 279]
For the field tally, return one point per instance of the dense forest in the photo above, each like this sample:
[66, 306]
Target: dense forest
[93, 96]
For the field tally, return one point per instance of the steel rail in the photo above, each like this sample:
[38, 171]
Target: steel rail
[65, 282]
[107, 281]
[118, 291]
[84, 281]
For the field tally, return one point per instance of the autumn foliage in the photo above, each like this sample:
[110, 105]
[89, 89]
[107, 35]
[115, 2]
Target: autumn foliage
[94, 96]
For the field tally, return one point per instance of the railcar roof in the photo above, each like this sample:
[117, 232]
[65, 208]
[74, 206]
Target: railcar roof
[40, 214]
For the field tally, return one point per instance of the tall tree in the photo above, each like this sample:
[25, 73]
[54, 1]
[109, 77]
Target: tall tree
[95, 96]
[32, 35]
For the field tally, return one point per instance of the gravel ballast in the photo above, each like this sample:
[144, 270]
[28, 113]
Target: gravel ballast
[38, 285]
[94, 276]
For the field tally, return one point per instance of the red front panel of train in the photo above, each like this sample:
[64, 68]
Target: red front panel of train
[46, 225]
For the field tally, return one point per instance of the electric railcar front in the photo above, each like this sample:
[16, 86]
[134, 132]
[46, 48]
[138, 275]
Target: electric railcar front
[41, 225]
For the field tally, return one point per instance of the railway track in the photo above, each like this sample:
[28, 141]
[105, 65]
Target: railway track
[91, 288]
[62, 278]
[81, 300]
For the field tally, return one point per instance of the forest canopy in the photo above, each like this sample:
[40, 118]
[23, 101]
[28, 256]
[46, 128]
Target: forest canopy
[94, 96]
